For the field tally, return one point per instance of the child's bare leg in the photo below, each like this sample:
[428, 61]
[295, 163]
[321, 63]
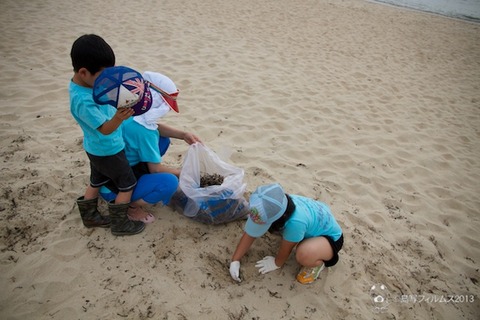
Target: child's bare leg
[313, 252]
[91, 193]
[123, 197]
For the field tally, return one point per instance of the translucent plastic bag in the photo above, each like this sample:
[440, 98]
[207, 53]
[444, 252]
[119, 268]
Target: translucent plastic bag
[211, 204]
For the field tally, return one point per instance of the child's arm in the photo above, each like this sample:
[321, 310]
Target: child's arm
[245, 243]
[158, 167]
[170, 132]
[111, 125]
[284, 251]
[242, 248]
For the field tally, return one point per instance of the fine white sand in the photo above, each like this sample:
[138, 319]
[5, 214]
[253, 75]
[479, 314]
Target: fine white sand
[373, 109]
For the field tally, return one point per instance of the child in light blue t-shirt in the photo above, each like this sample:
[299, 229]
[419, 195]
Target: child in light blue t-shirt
[102, 138]
[146, 140]
[143, 133]
[304, 223]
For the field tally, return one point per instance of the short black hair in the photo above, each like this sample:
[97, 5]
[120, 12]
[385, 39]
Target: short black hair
[279, 224]
[91, 52]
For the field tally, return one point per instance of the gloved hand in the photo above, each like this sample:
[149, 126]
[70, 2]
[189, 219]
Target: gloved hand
[235, 270]
[267, 264]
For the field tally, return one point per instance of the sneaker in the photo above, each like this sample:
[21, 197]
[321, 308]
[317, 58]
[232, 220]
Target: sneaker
[309, 275]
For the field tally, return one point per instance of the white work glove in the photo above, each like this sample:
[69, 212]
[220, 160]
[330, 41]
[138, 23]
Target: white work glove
[235, 270]
[267, 264]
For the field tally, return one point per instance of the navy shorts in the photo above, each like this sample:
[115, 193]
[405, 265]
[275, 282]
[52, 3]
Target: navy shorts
[336, 246]
[114, 169]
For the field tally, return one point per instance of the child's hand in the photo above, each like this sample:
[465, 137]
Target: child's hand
[124, 113]
[235, 270]
[267, 264]
[190, 138]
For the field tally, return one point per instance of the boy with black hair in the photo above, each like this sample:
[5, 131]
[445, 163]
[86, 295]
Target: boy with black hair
[102, 140]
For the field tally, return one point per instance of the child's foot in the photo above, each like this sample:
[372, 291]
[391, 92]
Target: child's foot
[138, 214]
[309, 275]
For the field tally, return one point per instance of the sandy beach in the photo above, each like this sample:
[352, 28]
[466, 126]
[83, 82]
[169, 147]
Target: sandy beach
[372, 109]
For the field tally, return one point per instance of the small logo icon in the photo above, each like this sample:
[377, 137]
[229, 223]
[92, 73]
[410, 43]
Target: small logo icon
[379, 294]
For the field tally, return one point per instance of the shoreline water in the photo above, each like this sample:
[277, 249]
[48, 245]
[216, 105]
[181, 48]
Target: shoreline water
[468, 11]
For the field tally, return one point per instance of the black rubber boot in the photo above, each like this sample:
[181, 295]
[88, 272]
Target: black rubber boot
[90, 216]
[121, 225]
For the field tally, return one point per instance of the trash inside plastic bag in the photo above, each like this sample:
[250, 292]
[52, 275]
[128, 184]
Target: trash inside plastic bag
[212, 204]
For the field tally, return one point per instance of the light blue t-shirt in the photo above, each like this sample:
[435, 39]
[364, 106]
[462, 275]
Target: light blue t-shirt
[141, 144]
[90, 116]
[311, 218]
